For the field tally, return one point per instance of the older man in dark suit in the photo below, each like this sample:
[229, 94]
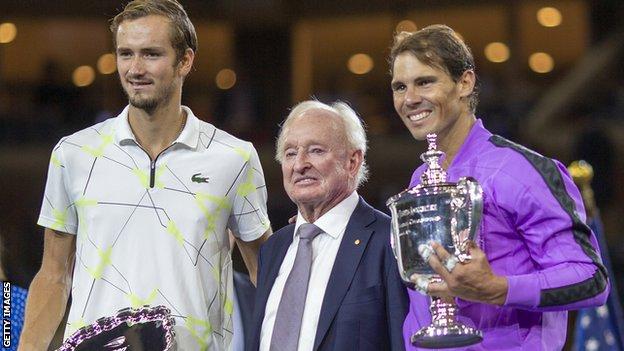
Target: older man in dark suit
[329, 281]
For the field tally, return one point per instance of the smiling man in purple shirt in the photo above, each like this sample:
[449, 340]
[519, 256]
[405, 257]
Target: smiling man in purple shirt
[535, 258]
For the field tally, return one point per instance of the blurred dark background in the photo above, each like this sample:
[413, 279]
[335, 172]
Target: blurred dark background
[550, 75]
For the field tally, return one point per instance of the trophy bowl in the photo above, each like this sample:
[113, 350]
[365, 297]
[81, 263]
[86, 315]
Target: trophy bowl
[447, 213]
[142, 329]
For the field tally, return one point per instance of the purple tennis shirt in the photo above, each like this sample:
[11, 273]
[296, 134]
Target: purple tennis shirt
[533, 232]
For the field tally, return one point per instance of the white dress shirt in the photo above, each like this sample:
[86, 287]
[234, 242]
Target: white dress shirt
[324, 249]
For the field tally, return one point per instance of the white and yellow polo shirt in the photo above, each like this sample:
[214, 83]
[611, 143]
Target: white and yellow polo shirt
[154, 232]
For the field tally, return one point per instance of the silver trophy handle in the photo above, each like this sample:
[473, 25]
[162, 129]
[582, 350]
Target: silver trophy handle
[394, 240]
[394, 234]
[470, 195]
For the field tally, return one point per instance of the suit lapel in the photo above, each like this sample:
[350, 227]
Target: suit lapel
[346, 264]
[273, 260]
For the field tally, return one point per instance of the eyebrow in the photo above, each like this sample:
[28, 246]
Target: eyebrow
[417, 79]
[428, 77]
[146, 49]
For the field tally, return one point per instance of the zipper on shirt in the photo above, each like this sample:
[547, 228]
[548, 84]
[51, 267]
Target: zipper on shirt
[152, 176]
[152, 172]
[153, 166]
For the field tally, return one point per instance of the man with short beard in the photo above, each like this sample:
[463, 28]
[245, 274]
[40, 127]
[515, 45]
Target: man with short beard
[137, 208]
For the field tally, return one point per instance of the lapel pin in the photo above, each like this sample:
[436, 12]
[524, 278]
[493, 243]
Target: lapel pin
[357, 241]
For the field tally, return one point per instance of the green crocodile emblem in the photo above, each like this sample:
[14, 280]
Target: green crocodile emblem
[198, 179]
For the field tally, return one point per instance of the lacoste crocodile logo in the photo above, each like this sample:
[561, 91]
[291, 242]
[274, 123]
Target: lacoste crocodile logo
[198, 179]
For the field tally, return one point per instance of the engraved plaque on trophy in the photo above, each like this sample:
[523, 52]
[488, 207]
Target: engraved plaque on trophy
[142, 329]
[444, 212]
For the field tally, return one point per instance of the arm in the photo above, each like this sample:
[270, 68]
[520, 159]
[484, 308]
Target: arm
[49, 291]
[249, 252]
[565, 271]
[570, 272]
[250, 228]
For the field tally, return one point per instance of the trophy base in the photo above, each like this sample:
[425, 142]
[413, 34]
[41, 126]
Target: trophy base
[435, 337]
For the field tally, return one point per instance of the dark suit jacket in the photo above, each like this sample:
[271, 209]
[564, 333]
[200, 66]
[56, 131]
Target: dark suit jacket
[365, 301]
[245, 294]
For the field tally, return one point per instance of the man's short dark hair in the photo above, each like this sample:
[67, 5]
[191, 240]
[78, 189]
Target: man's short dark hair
[182, 34]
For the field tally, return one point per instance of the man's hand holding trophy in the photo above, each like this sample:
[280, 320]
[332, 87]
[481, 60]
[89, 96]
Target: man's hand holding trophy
[468, 279]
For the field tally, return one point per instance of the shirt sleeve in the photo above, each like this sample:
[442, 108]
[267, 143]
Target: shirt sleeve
[550, 217]
[57, 209]
[248, 219]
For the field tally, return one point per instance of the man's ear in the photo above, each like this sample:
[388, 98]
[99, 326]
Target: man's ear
[356, 158]
[467, 83]
[186, 62]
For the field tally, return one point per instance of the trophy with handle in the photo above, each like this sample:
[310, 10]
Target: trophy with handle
[447, 213]
[131, 329]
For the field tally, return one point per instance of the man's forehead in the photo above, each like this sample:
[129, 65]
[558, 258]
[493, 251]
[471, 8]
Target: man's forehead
[312, 124]
[149, 18]
[318, 112]
[146, 28]
[430, 66]
[317, 120]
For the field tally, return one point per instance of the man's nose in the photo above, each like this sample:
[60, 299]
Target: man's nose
[301, 162]
[412, 96]
[137, 66]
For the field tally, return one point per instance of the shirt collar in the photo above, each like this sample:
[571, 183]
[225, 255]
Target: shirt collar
[477, 132]
[122, 129]
[188, 137]
[334, 221]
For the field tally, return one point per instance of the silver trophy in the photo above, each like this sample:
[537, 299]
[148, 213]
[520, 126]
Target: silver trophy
[447, 213]
[142, 329]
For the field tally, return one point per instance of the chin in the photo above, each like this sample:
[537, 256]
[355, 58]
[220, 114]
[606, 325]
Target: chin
[301, 198]
[419, 135]
[304, 198]
[144, 104]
